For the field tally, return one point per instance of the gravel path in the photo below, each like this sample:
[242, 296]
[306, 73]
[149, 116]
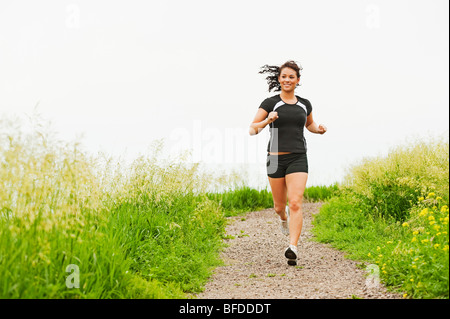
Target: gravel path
[255, 266]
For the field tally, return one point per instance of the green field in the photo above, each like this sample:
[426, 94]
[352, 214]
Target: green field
[73, 225]
[79, 226]
[393, 212]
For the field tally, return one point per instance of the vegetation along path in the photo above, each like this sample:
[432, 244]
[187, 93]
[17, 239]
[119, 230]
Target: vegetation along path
[255, 266]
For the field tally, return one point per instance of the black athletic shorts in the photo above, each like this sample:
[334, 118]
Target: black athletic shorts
[281, 165]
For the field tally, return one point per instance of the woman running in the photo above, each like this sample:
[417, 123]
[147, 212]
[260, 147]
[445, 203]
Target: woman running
[287, 164]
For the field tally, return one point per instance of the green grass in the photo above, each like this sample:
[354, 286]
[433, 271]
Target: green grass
[392, 185]
[144, 230]
[320, 193]
[153, 228]
[393, 212]
[242, 199]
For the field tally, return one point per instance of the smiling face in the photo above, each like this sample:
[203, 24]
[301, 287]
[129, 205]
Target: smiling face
[288, 79]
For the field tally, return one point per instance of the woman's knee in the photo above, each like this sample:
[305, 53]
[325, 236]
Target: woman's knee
[279, 207]
[295, 204]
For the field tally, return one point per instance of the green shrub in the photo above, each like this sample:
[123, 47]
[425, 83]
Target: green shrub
[418, 263]
[393, 212]
[392, 185]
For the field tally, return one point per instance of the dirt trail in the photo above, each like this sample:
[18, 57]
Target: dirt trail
[255, 266]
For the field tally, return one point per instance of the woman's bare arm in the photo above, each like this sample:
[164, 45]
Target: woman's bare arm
[261, 120]
[313, 127]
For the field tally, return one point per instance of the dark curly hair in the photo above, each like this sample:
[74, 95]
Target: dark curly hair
[274, 72]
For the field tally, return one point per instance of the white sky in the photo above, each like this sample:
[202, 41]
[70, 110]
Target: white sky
[125, 73]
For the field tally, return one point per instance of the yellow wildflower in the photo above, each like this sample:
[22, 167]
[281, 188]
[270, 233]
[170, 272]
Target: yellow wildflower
[413, 266]
[431, 195]
[413, 239]
[444, 209]
[369, 254]
[424, 212]
[405, 224]
[445, 248]
[436, 246]
[415, 232]
[438, 198]
[432, 222]
[405, 295]
[430, 217]
[421, 198]
[425, 240]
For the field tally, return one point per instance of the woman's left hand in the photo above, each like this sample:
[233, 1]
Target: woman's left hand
[322, 129]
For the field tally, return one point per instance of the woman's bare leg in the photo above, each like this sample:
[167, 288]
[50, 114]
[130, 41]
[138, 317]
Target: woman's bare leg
[279, 194]
[295, 184]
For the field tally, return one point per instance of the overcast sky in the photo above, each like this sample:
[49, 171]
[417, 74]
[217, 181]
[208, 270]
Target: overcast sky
[124, 73]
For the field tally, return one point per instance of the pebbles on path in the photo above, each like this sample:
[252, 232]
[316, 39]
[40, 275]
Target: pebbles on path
[255, 266]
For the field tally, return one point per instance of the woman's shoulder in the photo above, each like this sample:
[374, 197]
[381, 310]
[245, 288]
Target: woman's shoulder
[269, 103]
[306, 103]
[303, 100]
[274, 98]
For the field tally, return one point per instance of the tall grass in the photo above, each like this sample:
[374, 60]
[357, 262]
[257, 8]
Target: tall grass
[320, 193]
[144, 230]
[393, 212]
[392, 185]
[242, 199]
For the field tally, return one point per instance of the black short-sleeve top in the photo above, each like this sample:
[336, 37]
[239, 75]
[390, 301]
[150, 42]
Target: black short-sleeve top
[286, 132]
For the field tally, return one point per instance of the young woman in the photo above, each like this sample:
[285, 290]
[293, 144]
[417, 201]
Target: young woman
[287, 165]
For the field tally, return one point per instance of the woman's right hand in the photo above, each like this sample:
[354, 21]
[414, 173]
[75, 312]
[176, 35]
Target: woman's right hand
[272, 117]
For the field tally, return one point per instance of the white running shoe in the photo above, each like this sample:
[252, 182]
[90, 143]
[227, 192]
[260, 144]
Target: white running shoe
[285, 223]
[291, 254]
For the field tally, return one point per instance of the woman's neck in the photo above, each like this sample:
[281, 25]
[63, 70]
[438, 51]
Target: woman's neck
[288, 95]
